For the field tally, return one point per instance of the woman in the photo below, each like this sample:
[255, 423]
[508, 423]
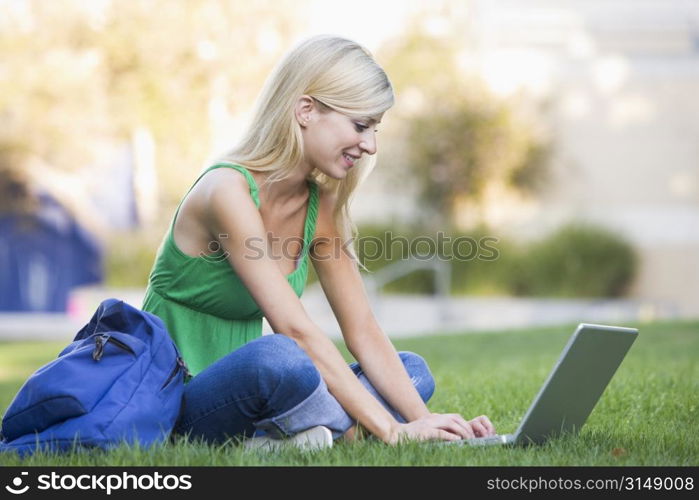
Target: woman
[238, 250]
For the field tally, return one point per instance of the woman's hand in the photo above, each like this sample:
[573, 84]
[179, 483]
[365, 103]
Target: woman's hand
[445, 427]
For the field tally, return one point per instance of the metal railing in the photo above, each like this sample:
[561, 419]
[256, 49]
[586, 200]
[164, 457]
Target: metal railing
[441, 273]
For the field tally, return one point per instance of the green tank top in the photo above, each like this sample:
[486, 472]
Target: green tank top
[205, 306]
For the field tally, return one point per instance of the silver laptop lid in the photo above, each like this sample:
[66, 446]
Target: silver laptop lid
[578, 379]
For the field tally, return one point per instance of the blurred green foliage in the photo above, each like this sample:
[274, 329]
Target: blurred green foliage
[450, 137]
[465, 143]
[577, 260]
[129, 258]
[77, 79]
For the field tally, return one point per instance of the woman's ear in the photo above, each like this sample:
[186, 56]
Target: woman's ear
[305, 106]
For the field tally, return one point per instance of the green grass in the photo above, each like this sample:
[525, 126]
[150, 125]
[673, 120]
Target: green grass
[647, 416]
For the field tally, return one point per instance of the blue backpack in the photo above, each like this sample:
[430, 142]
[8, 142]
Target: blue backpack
[121, 379]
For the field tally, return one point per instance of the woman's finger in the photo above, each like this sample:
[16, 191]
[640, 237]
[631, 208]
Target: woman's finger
[487, 424]
[448, 422]
[464, 431]
[432, 433]
[463, 424]
[466, 426]
[446, 436]
[478, 428]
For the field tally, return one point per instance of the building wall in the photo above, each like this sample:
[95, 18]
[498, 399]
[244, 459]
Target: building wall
[629, 159]
[621, 79]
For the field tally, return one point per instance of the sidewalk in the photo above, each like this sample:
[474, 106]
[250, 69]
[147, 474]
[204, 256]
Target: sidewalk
[408, 316]
[398, 315]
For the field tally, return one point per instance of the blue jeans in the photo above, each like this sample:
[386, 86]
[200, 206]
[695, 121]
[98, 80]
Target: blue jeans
[271, 386]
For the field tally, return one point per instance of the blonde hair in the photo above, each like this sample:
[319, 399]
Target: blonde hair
[339, 74]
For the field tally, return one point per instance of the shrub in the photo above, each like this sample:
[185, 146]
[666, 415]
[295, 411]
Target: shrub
[474, 261]
[578, 260]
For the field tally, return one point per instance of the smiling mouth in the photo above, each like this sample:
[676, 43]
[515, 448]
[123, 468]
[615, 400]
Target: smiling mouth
[349, 159]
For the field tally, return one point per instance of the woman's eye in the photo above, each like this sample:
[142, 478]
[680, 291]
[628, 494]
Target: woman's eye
[360, 127]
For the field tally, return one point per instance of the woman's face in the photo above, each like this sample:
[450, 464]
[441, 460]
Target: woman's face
[334, 142]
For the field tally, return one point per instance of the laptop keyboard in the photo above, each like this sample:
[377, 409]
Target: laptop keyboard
[480, 441]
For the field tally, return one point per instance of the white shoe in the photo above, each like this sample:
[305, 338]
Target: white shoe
[314, 438]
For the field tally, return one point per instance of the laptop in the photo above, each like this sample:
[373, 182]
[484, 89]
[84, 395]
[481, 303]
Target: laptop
[572, 389]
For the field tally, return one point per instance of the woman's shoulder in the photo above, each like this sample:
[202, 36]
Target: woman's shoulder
[227, 191]
[226, 182]
[225, 174]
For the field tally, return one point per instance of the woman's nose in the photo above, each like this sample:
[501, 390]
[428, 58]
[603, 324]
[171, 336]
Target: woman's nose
[368, 143]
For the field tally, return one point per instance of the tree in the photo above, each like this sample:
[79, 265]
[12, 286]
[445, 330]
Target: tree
[76, 78]
[463, 144]
[452, 136]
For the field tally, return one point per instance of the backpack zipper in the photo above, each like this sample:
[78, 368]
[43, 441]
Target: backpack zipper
[100, 342]
[178, 365]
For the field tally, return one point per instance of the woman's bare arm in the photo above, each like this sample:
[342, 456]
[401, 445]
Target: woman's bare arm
[339, 276]
[343, 286]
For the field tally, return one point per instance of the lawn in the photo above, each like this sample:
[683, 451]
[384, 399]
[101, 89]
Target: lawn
[647, 416]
